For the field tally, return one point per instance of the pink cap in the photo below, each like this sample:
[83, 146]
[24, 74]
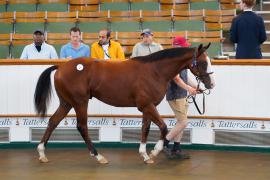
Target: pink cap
[180, 41]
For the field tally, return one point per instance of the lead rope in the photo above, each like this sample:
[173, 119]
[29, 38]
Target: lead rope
[192, 98]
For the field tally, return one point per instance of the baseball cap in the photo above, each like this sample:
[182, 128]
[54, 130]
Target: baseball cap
[146, 32]
[180, 41]
[38, 31]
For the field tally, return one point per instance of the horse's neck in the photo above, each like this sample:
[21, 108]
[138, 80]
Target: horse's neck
[169, 68]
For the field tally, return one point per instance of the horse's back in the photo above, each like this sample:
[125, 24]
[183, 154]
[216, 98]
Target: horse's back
[108, 81]
[117, 83]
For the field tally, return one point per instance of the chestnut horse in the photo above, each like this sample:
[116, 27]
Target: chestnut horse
[139, 82]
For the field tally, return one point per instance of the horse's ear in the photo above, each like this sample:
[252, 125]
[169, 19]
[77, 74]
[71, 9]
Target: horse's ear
[207, 46]
[200, 47]
[200, 50]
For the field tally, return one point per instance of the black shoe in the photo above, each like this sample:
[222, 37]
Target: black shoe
[167, 151]
[180, 155]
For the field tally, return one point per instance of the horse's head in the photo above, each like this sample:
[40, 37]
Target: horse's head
[201, 66]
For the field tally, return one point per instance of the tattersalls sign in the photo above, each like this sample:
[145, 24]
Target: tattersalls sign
[5, 122]
[33, 122]
[66, 122]
[92, 122]
[239, 124]
[137, 123]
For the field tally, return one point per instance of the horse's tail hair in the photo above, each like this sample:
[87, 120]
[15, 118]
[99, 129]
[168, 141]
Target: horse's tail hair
[43, 91]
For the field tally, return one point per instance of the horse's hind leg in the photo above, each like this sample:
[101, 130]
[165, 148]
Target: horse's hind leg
[59, 114]
[81, 112]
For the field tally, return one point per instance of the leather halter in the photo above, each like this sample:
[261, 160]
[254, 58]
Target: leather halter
[195, 64]
[192, 98]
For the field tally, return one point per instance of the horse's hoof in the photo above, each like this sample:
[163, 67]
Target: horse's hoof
[149, 161]
[152, 156]
[103, 161]
[43, 160]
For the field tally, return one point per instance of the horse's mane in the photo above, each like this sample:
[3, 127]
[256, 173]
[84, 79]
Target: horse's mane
[163, 54]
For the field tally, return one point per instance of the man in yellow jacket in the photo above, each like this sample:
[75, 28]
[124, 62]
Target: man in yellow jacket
[106, 48]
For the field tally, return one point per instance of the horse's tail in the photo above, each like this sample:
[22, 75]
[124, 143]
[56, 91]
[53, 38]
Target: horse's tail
[43, 91]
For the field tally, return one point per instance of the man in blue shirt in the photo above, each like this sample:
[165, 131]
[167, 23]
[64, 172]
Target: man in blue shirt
[75, 48]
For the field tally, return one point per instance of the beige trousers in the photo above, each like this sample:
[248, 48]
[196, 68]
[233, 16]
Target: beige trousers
[180, 109]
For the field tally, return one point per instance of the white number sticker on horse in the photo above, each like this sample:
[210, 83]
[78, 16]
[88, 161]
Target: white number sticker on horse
[79, 67]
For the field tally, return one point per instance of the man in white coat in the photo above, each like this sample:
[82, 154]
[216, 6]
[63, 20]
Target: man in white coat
[39, 49]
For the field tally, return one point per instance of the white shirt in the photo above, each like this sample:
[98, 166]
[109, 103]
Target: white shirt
[47, 52]
[249, 9]
[141, 49]
[106, 51]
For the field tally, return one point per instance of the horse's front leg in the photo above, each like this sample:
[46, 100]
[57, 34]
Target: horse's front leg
[158, 147]
[150, 113]
[155, 117]
[145, 131]
[81, 113]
